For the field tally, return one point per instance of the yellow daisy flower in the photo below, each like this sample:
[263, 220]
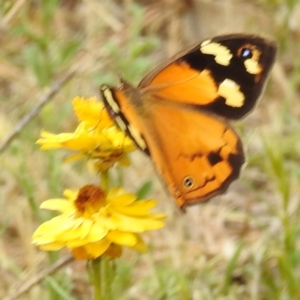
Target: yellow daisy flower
[96, 137]
[93, 223]
[91, 111]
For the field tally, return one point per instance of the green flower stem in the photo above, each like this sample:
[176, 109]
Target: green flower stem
[102, 274]
[107, 276]
[97, 280]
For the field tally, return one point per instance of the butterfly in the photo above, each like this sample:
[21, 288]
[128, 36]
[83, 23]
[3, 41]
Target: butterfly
[179, 114]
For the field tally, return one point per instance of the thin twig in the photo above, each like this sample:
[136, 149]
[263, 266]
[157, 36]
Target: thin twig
[35, 110]
[35, 280]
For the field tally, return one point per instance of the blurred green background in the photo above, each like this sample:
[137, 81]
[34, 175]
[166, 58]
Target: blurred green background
[241, 245]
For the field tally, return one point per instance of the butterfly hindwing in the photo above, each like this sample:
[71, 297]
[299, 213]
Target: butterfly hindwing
[197, 154]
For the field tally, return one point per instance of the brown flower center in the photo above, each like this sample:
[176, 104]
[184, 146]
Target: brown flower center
[90, 199]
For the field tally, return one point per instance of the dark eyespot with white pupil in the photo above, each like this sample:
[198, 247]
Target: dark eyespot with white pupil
[246, 53]
[188, 182]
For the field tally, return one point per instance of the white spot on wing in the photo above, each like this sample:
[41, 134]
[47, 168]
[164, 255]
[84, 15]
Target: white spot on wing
[230, 90]
[137, 137]
[222, 54]
[252, 66]
[120, 123]
[111, 101]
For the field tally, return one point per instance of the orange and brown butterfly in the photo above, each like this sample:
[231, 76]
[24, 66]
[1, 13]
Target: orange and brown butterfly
[179, 114]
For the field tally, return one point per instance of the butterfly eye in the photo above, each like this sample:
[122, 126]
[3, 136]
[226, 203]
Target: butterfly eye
[188, 182]
[246, 53]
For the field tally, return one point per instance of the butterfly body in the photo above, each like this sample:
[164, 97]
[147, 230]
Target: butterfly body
[179, 113]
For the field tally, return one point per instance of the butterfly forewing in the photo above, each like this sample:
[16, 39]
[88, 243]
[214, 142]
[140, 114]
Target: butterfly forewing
[224, 75]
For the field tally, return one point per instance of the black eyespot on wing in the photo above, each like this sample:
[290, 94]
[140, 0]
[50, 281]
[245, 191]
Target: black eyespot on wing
[188, 182]
[246, 53]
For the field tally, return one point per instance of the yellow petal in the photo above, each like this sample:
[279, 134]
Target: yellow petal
[105, 222]
[115, 192]
[95, 250]
[79, 231]
[50, 141]
[97, 232]
[51, 246]
[76, 243]
[74, 157]
[71, 194]
[122, 200]
[139, 208]
[127, 223]
[82, 143]
[60, 205]
[54, 227]
[43, 239]
[92, 111]
[122, 238]
[140, 245]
